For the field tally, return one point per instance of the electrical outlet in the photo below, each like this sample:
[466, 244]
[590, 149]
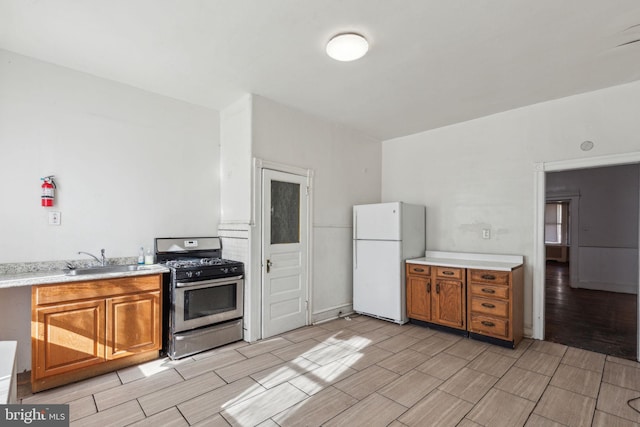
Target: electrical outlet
[486, 233]
[54, 218]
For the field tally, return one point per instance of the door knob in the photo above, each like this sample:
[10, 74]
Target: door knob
[269, 264]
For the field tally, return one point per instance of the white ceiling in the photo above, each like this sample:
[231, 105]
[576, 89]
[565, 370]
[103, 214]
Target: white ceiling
[431, 62]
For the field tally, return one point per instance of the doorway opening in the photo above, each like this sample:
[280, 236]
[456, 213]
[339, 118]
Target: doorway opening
[591, 229]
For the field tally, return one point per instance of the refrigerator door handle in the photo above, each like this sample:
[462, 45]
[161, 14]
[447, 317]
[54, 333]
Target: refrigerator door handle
[355, 253]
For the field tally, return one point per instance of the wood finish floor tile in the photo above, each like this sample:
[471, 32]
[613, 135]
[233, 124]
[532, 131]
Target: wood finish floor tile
[622, 376]
[469, 385]
[613, 400]
[566, 407]
[403, 361]
[541, 363]
[442, 366]
[432, 345]
[365, 382]
[168, 418]
[410, 388]
[264, 346]
[397, 343]
[209, 404]
[578, 380]
[584, 359]
[306, 333]
[278, 374]
[300, 349]
[549, 347]
[329, 354]
[74, 391]
[436, 409]
[602, 419]
[256, 409]
[492, 363]
[500, 409]
[538, 421]
[523, 383]
[200, 366]
[116, 396]
[317, 409]
[164, 398]
[364, 358]
[124, 414]
[82, 407]
[375, 410]
[321, 378]
[247, 367]
[466, 349]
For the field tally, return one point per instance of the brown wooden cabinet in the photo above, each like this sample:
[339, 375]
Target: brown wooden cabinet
[83, 329]
[436, 295]
[496, 304]
[488, 304]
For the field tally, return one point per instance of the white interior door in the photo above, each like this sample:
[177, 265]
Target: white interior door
[284, 252]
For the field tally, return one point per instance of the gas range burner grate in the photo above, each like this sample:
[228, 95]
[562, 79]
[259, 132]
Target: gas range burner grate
[196, 262]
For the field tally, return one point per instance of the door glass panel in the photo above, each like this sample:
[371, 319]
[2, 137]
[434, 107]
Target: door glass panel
[285, 212]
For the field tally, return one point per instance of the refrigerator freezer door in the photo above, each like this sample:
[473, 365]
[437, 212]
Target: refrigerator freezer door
[377, 279]
[377, 222]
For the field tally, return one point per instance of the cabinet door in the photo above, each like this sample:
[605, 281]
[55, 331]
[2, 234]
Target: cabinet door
[133, 324]
[419, 297]
[449, 303]
[67, 337]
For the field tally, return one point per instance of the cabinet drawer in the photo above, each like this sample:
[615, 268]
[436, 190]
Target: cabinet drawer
[62, 292]
[423, 270]
[492, 307]
[490, 276]
[451, 273]
[489, 291]
[490, 326]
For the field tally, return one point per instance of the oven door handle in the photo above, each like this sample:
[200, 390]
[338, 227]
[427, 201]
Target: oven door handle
[205, 283]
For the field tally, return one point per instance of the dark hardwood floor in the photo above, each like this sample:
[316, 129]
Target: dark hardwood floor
[600, 321]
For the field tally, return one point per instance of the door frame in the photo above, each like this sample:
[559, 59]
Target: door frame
[257, 245]
[540, 171]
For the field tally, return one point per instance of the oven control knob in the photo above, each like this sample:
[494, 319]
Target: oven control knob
[189, 273]
[225, 270]
[234, 269]
[198, 273]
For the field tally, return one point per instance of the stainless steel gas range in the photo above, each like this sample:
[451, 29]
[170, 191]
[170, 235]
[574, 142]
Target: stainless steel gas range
[205, 295]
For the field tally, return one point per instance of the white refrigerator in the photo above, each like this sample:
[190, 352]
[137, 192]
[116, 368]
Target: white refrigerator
[384, 236]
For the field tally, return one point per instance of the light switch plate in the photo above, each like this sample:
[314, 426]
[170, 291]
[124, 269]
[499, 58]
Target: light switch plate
[55, 218]
[486, 233]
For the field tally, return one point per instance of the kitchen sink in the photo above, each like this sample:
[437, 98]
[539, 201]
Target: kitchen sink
[105, 269]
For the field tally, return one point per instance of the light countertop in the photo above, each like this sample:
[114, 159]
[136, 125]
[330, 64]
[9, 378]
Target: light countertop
[470, 260]
[59, 276]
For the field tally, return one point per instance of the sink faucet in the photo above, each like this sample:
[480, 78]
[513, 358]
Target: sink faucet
[102, 261]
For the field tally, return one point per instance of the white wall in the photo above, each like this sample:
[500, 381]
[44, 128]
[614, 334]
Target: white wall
[346, 166]
[480, 174]
[130, 166]
[607, 215]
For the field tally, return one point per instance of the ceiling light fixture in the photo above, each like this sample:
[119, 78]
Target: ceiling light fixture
[347, 47]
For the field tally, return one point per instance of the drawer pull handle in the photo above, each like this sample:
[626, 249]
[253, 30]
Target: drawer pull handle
[486, 304]
[488, 291]
[489, 324]
[437, 288]
[488, 277]
[448, 273]
[419, 270]
[428, 288]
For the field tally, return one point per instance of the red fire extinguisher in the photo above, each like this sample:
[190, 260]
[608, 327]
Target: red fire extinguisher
[48, 191]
